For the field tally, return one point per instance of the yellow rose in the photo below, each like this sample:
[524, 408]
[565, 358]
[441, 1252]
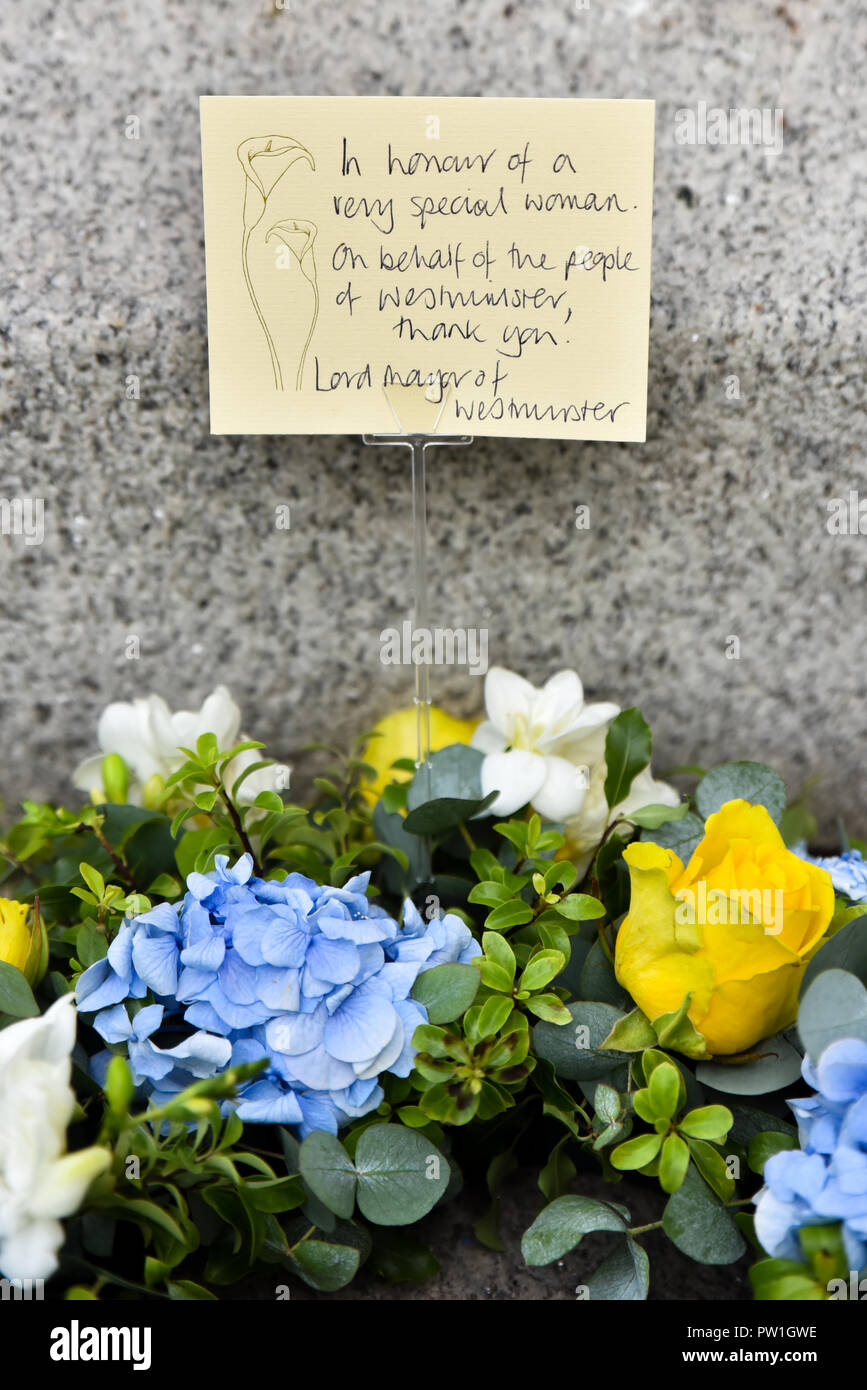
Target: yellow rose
[20, 945]
[397, 739]
[734, 929]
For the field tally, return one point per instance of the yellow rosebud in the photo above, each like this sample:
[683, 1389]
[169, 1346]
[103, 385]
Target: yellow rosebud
[396, 738]
[22, 945]
[734, 929]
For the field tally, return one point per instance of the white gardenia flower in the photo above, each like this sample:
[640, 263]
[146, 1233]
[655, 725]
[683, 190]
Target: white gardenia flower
[149, 737]
[539, 744]
[39, 1182]
[585, 830]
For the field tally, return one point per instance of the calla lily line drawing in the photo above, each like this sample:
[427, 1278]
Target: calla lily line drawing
[284, 294]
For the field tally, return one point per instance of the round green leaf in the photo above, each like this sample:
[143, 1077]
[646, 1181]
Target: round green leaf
[447, 991]
[325, 1266]
[574, 1050]
[328, 1171]
[846, 950]
[744, 781]
[835, 1006]
[401, 1175]
[777, 1065]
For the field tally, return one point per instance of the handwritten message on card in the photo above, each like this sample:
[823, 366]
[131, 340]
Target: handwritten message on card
[493, 253]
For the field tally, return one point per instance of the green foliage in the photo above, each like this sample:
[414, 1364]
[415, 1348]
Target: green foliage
[744, 781]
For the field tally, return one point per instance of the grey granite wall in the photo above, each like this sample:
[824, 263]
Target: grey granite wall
[715, 528]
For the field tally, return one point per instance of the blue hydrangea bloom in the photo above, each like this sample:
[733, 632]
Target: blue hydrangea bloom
[315, 979]
[848, 872]
[826, 1179]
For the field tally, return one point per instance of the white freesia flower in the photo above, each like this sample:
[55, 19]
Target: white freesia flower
[149, 736]
[39, 1182]
[585, 830]
[540, 745]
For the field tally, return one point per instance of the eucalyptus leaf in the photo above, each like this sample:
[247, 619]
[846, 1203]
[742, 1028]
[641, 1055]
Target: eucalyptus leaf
[744, 781]
[561, 1225]
[447, 991]
[845, 950]
[778, 1067]
[699, 1225]
[834, 1006]
[401, 1175]
[623, 1277]
[575, 1050]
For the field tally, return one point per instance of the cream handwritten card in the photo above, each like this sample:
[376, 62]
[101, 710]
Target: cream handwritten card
[494, 252]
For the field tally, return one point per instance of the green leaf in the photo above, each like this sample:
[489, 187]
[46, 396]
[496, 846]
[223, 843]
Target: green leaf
[713, 1168]
[399, 1257]
[599, 982]
[329, 1172]
[498, 950]
[561, 1225]
[744, 781]
[550, 1008]
[94, 880]
[494, 1013]
[401, 1175]
[653, 816]
[557, 1173]
[186, 1289]
[776, 1064]
[623, 1277]
[637, 1152]
[680, 836]
[698, 1224]
[707, 1122]
[835, 1006]
[269, 801]
[606, 1103]
[627, 752]
[580, 907]
[90, 943]
[193, 843]
[541, 969]
[632, 1033]
[324, 1265]
[444, 813]
[514, 913]
[785, 1281]
[673, 1162]
[845, 950]
[763, 1146]
[576, 1052]
[664, 1087]
[678, 1033]
[455, 791]
[447, 991]
[16, 996]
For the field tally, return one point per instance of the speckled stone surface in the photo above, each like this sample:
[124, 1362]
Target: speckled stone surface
[715, 528]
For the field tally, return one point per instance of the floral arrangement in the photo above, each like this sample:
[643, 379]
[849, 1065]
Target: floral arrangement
[240, 1032]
